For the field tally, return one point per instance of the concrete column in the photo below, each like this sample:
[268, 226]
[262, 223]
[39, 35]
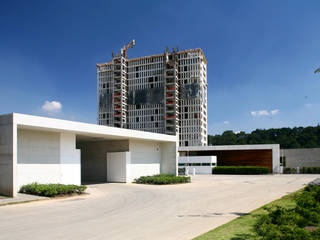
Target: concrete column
[7, 152]
[169, 158]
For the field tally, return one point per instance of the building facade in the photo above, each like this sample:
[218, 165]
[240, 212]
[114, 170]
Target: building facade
[48, 150]
[165, 93]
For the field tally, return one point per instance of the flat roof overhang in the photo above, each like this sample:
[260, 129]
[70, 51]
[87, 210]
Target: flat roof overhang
[86, 130]
[229, 147]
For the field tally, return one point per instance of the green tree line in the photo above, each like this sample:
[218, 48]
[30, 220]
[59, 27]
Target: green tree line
[297, 137]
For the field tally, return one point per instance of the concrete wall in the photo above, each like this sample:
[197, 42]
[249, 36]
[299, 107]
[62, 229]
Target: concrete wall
[94, 158]
[46, 157]
[118, 167]
[6, 155]
[169, 158]
[304, 157]
[145, 158]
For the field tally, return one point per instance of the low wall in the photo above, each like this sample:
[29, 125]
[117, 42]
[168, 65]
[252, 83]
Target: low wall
[303, 157]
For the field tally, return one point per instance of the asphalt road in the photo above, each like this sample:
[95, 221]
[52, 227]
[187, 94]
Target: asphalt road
[131, 211]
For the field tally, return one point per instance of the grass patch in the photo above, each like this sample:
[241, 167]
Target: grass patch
[162, 179]
[242, 228]
[51, 190]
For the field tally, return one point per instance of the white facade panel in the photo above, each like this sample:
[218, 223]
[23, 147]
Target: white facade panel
[47, 157]
[145, 158]
[70, 159]
[117, 163]
[40, 173]
[138, 170]
[198, 164]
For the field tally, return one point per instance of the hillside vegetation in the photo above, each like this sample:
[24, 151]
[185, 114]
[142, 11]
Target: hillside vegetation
[298, 137]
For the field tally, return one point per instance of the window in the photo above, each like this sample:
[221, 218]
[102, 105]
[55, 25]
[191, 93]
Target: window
[152, 119]
[156, 125]
[137, 119]
[138, 106]
[205, 164]
[185, 68]
[156, 111]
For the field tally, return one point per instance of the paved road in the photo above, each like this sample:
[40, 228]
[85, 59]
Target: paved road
[130, 211]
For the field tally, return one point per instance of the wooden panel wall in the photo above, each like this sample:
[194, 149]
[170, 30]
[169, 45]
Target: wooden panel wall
[261, 158]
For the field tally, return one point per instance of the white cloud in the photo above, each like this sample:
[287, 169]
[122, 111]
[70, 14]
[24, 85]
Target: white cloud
[51, 107]
[226, 122]
[264, 112]
[308, 105]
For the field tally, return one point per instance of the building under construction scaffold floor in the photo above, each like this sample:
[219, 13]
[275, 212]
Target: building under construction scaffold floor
[164, 93]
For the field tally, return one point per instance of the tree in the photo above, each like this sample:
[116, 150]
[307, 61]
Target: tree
[297, 137]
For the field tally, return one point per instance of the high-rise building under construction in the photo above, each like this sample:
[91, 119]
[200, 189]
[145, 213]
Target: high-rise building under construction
[164, 93]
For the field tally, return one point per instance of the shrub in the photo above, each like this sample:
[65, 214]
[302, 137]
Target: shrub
[288, 170]
[313, 170]
[162, 179]
[51, 190]
[283, 223]
[245, 170]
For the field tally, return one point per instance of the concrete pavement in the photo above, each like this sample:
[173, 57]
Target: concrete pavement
[20, 198]
[131, 211]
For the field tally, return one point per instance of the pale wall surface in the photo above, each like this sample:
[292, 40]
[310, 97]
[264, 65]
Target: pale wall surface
[145, 158]
[46, 157]
[6, 154]
[304, 157]
[199, 159]
[169, 158]
[118, 164]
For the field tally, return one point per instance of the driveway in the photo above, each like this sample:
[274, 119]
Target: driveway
[131, 211]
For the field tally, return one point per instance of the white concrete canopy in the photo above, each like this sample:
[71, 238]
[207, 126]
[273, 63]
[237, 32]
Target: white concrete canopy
[49, 150]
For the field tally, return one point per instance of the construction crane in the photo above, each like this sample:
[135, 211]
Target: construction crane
[123, 51]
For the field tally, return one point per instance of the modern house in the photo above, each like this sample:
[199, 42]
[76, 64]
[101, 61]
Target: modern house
[47, 150]
[264, 155]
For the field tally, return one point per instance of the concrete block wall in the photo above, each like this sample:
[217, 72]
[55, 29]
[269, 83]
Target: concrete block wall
[94, 158]
[6, 155]
[303, 157]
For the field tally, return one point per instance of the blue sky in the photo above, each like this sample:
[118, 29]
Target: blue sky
[261, 55]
